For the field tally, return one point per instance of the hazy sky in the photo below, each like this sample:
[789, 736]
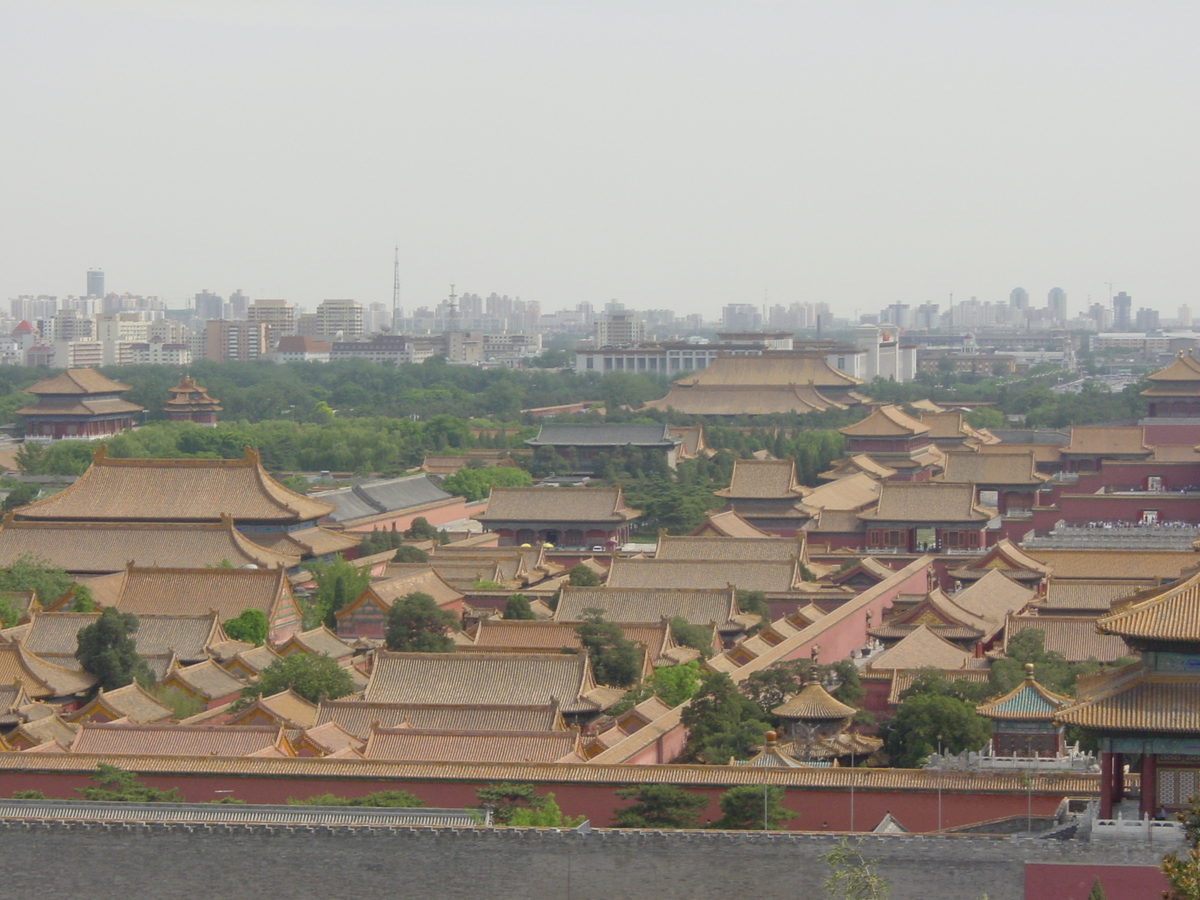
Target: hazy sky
[668, 154]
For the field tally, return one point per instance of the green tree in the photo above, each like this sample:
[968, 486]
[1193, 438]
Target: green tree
[33, 573]
[111, 783]
[401, 799]
[1097, 891]
[659, 806]
[183, 705]
[476, 484]
[675, 684]
[314, 678]
[415, 624]
[985, 417]
[1183, 872]
[851, 876]
[768, 688]
[749, 807]
[338, 583]
[695, 636]
[107, 649]
[721, 722]
[421, 530]
[21, 495]
[82, 599]
[616, 661]
[925, 721]
[407, 553]
[249, 626]
[517, 607]
[581, 576]
[545, 813]
[518, 803]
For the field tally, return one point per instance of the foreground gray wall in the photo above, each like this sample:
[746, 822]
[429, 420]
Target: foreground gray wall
[163, 862]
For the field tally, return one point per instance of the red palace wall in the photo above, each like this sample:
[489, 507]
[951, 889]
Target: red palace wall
[816, 809]
[1067, 881]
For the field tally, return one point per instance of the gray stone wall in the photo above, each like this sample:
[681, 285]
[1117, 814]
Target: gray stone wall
[165, 862]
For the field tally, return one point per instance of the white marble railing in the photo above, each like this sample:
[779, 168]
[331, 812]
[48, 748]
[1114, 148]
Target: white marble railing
[1144, 829]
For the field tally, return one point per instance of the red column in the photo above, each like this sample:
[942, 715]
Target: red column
[1106, 785]
[1118, 777]
[1149, 785]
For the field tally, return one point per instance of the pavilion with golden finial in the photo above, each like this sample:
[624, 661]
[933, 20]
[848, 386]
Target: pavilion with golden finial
[191, 403]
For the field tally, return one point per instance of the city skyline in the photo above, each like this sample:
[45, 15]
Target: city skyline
[851, 154]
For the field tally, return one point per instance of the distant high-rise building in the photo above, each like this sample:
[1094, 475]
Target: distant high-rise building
[1185, 316]
[619, 329]
[239, 303]
[1019, 298]
[1146, 319]
[1056, 303]
[278, 315]
[95, 283]
[340, 316]
[209, 306]
[226, 341]
[1122, 307]
[741, 317]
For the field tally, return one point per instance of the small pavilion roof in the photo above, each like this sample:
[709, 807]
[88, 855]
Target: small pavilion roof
[188, 396]
[706, 606]
[993, 597]
[769, 576]
[711, 549]
[813, 703]
[763, 479]
[922, 648]
[41, 679]
[971, 467]
[1027, 702]
[285, 708]
[1079, 595]
[859, 463]
[1006, 557]
[488, 678]
[886, 421]
[206, 679]
[132, 702]
[927, 501]
[771, 756]
[1100, 440]
[563, 504]
[727, 523]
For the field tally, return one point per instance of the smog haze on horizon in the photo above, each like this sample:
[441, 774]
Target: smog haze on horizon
[669, 155]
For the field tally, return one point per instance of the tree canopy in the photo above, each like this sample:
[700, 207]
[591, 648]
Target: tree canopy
[313, 677]
[749, 807]
[659, 806]
[722, 723]
[338, 583]
[580, 575]
[107, 649]
[925, 721]
[517, 607]
[476, 484]
[110, 783]
[415, 624]
[249, 626]
[616, 661]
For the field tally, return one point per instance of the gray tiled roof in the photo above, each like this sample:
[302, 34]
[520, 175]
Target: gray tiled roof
[375, 497]
[603, 436]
